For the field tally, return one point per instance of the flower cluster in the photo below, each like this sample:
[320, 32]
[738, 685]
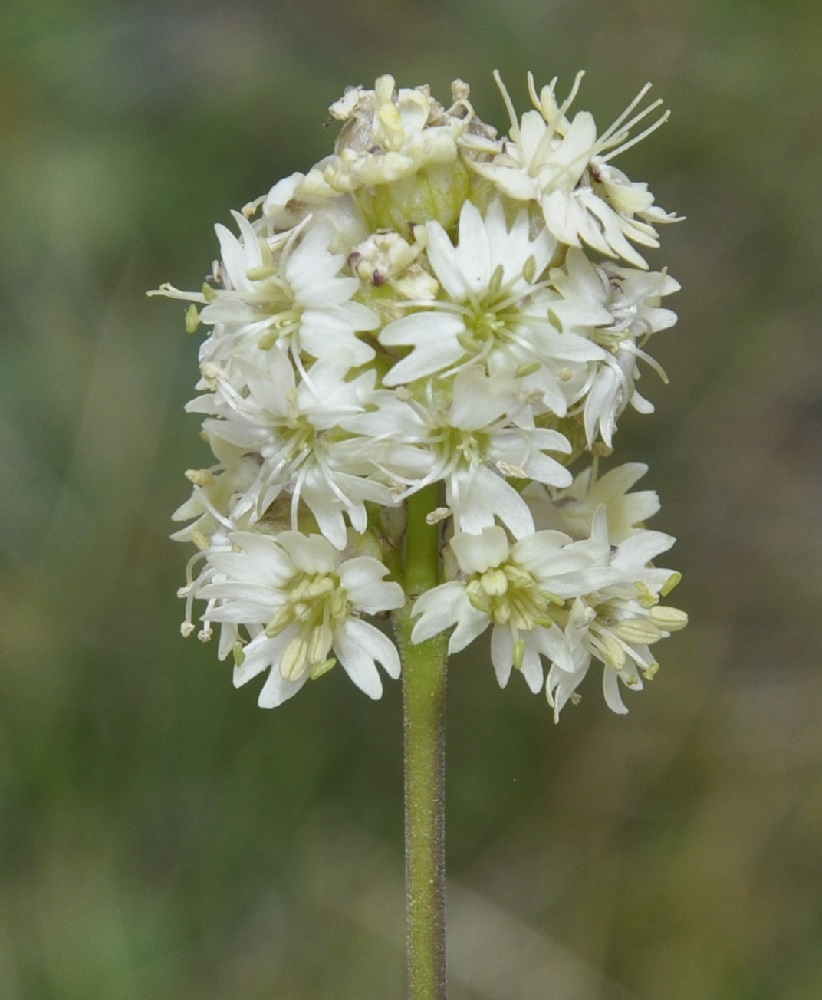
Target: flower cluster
[433, 305]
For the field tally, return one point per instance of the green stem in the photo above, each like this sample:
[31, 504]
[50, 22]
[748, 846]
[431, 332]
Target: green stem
[424, 673]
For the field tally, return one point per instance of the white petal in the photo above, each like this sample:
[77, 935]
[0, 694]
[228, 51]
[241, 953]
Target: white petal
[532, 665]
[434, 336]
[362, 579]
[610, 689]
[355, 647]
[502, 653]
[277, 689]
[478, 552]
[439, 609]
[480, 495]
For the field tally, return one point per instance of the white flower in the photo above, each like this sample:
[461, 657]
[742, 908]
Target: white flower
[496, 309]
[286, 291]
[616, 308]
[298, 432]
[513, 588]
[559, 164]
[617, 620]
[215, 491]
[428, 305]
[472, 434]
[573, 509]
[301, 602]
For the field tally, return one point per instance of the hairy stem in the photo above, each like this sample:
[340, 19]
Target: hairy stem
[424, 674]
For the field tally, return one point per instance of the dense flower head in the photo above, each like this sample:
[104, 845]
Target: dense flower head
[433, 305]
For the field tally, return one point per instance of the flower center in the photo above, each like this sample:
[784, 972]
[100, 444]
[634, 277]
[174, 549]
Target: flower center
[316, 604]
[284, 324]
[510, 595]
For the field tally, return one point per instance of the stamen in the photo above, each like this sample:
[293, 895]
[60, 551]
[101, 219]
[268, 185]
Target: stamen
[512, 114]
[646, 132]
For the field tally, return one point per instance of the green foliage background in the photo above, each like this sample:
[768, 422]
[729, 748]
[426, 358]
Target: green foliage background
[162, 837]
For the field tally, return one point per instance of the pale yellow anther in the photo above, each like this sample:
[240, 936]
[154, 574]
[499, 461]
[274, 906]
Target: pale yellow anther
[294, 660]
[669, 619]
[200, 477]
[613, 652]
[318, 669]
[319, 586]
[546, 595]
[638, 631]
[517, 575]
[645, 595]
[279, 622]
[437, 515]
[501, 613]
[477, 597]
[339, 606]
[260, 273]
[495, 284]
[522, 621]
[319, 643]
[192, 318]
[212, 373]
[511, 471]
[524, 370]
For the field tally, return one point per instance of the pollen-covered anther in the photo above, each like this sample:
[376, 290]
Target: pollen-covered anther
[514, 471]
[213, 374]
[437, 515]
[200, 477]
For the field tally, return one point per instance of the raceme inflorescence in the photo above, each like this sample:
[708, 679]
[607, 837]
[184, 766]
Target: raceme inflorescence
[433, 308]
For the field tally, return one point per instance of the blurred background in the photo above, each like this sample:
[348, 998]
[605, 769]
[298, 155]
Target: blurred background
[161, 836]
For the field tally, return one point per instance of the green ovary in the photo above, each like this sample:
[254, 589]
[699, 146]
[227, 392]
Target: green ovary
[433, 194]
